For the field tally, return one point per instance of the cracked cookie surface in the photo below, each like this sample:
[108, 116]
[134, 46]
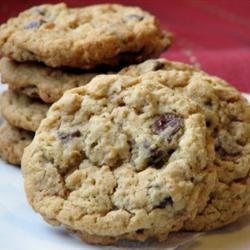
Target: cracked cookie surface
[228, 121]
[105, 34]
[39, 81]
[21, 111]
[12, 143]
[119, 158]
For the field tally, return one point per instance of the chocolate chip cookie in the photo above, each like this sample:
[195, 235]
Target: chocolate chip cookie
[228, 121]
[39, 81]
[12, 143]
[105, 34]
[22, 111]
[120, 158]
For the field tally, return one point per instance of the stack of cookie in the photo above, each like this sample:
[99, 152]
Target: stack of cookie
[158, 147]
[52, 48]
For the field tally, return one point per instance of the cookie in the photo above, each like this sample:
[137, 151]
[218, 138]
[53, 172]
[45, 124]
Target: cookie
[119, 158]
[22, 111]
[228, 121]
[105, 34]
[39, 81]
[12, 143]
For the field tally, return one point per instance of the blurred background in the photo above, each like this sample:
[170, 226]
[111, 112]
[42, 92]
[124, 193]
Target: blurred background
[211, 34]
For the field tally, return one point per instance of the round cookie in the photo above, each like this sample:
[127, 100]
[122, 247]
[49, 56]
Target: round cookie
[119, 158]
[105, 34]
[228, 121]
[22, 111]
[12, 143]
[39, 81]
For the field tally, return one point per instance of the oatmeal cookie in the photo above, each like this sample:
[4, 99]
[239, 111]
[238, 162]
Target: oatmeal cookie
[228, 121]
[21, 111]
[12, 143]
[105, 34]
[119, 158]
[39, 81]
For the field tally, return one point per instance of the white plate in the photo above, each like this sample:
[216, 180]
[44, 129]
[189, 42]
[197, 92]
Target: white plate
[22, 229]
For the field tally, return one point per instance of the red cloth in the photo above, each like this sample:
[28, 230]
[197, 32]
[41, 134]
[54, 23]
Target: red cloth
[212, 33]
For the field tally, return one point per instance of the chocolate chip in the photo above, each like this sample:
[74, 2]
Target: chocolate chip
[156, 156]
[34, 24]
[133, 16]
[167, 201]
[66, 137]
[140, 231]
[167, 120]
[208, 103]
[208, 122]
[77, 133]
[170, 151]
[157, 65]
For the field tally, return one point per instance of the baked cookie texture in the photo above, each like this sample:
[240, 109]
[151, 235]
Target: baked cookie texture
[105, 34]
[119, 158]
[39, 81]
[21, 111]
[12, 143]
[228, 121]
